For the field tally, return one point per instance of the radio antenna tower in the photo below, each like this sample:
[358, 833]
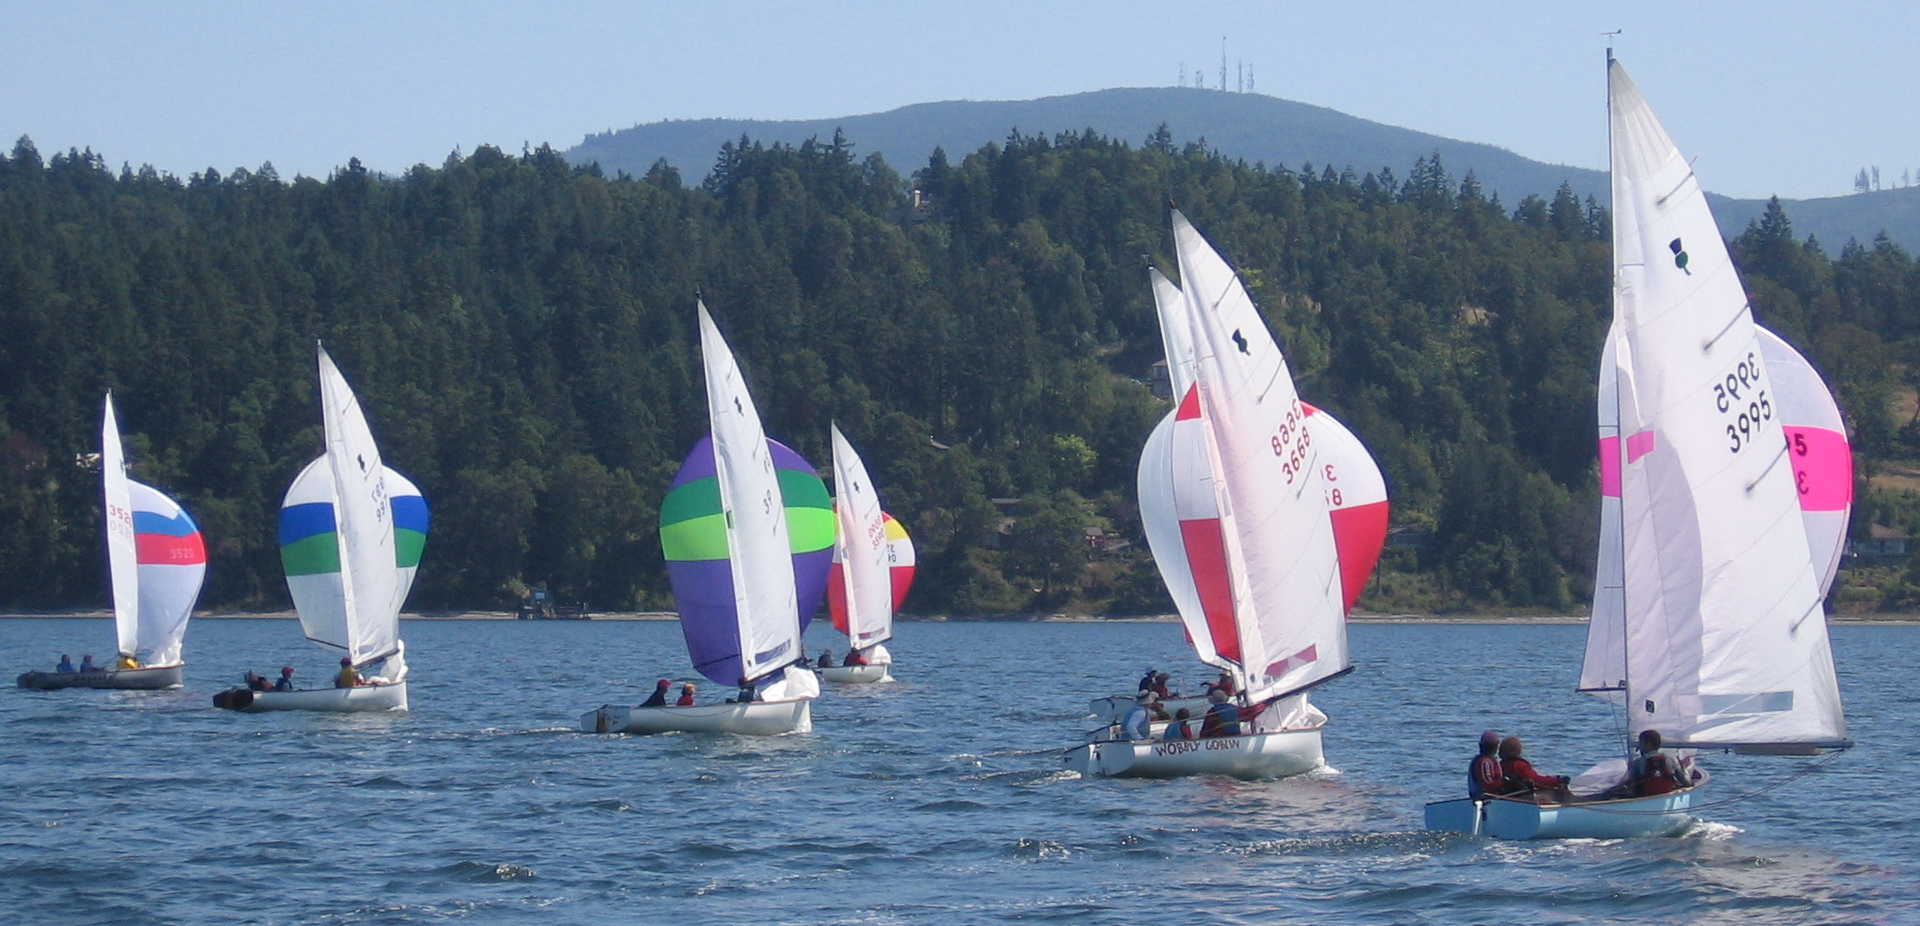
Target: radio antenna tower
[1223, 64]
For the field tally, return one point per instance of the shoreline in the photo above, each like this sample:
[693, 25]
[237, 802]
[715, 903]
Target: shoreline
[1884, 620]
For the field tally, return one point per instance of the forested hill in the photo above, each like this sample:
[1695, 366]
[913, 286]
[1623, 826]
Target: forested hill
[521, 334]
[1247, 126]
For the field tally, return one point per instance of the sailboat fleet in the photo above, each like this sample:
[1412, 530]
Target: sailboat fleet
[1726, 483]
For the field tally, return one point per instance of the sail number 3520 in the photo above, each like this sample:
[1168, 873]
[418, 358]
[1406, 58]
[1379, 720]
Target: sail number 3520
[1739, 397]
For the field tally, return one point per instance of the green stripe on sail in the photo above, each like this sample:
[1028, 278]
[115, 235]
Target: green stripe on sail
[803, 490]
[809, 529]
[315, 555]
[697, 499]
[407, 546]
[695, 539]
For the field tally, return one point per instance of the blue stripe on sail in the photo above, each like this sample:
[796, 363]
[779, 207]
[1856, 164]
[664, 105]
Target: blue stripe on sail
[148, 522]
[298, 522]
[409, 513]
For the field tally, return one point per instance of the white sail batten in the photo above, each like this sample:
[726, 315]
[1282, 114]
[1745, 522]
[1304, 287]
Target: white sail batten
[1726, 641]
[364, 523]
[123, 561]
[862, 541]
[765, 600]
[1278, 538]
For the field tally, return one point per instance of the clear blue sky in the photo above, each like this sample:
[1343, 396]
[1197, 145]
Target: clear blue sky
[1770, 96]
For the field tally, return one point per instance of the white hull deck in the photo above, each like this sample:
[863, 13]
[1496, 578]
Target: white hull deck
[856, 675]
[757, 718]
[1515, 818]
[386, 697]
[150, 678]
[1255, 755]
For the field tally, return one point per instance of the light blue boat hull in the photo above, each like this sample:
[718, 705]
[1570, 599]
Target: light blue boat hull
[1507, 818]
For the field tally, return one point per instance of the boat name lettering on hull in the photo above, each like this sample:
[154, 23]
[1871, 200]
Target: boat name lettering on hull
[1181, 747]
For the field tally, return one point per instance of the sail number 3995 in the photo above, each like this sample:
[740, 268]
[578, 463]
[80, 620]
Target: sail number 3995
[1292, 443]
[1740, 397]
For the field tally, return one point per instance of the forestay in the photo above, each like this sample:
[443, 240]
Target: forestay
[1275, 538]
[1726, 641]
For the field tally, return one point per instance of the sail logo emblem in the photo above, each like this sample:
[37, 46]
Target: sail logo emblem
[1241, 341]
[1679, 256]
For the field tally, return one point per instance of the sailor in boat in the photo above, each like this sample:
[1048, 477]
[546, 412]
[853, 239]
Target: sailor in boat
[86, 664]
[1223, 684]
[66, 664]
[1222, 718]
[1653, 771]
[659, 696]
[748, 693]
[126, 662]
[1179, 729]
[286, 679]
[686, 695]
[347, 677]
[854, 658]
[1138, 722]
[1523, 781]
[826, 659]
[255, 681]
[1484, 775]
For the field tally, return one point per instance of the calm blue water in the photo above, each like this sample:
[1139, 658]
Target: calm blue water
[936, 799]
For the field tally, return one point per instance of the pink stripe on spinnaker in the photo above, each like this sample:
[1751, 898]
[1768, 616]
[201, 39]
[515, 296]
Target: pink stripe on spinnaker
[1207, 559]
[1822, 468]
[1610, 467]
[1639, 445]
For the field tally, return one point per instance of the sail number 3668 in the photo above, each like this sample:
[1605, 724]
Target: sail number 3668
[1740, 397]
[1293, 453]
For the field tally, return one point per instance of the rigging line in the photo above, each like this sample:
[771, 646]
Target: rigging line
[1707, 345]
[1770, 465]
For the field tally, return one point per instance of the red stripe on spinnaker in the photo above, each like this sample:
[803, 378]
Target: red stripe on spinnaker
[163, 550]
[1358, 534]
[1207, 560]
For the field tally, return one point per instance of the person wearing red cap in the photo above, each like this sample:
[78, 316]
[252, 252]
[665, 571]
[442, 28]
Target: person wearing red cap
[659, 696]
[286, 679]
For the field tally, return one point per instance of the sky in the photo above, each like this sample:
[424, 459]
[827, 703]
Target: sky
[1769, 97]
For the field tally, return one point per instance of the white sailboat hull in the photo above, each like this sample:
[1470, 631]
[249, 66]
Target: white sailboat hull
[757, 718]
[389, 697]
[147, 678]
[1255, 755]
[855, 675]
[1511, 818]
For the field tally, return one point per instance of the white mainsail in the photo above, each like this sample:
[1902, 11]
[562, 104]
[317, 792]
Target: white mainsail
[1275, 535]
[370, 584]
[123, 558]
[765, 600]
[1726, 640]
[861, 542]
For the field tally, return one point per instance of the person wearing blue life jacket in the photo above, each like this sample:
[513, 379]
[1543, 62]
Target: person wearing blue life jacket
[1179, 729]
[1222, 717]
[1138, 723]
[66, 664]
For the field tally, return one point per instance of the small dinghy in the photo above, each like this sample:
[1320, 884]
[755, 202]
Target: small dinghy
[748, 534]
[1708, 626]
[872, 570]
[156, 561]
[351, 534]
[1236, 492]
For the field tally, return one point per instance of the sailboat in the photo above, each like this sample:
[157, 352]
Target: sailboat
[1231, 490]
[1726, 483]
[351, 534]
[872, 568]
[748, 534]
[156, 560]
[1351, 481]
